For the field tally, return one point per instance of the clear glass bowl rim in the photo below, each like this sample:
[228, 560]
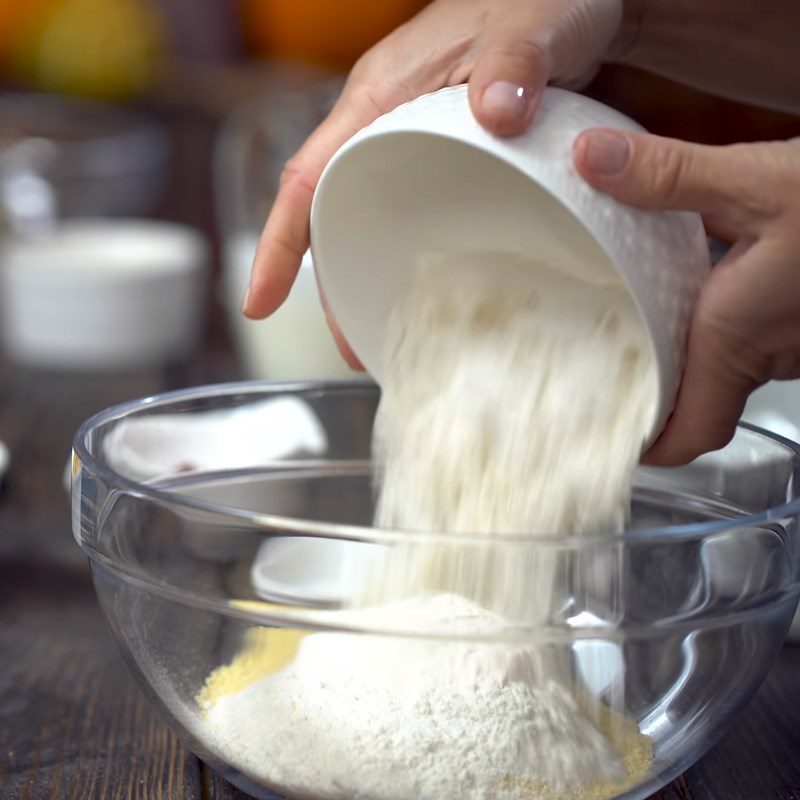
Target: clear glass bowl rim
[296, 526]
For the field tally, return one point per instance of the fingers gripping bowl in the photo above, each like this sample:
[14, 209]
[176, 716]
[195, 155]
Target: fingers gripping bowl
[205, 564]
[426, 180]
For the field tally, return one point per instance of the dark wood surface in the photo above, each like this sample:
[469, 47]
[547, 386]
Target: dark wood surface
[74, 725]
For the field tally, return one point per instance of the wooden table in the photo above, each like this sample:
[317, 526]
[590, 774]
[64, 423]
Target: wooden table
[73, 724]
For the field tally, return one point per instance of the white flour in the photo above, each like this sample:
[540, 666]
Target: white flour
[515, 400]
[506, 410]
[509, 406]
[378, 717]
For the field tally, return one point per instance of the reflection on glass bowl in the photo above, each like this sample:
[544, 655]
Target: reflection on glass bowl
[215, 579]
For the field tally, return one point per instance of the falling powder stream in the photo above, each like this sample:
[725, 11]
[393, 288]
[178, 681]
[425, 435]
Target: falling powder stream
[515, 403]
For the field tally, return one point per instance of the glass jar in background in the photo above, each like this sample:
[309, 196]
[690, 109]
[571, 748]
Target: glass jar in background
[253, 146]
[64, 158]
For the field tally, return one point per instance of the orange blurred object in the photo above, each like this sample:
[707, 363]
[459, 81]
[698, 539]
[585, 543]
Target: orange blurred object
[107, 49]
[327, 32]
[17, 17]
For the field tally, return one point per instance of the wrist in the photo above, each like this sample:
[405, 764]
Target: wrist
[629, 33]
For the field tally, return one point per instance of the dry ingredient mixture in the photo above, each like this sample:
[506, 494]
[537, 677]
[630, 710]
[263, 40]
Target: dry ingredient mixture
[509, 407]
[371, 716]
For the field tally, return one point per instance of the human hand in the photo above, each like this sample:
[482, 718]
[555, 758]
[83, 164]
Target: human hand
[746, 326]
[507, 51]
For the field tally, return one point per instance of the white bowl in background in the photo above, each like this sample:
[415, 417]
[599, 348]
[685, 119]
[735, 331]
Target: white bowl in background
[5, 460]
[103, 294]
[776, 407]
[427, 179]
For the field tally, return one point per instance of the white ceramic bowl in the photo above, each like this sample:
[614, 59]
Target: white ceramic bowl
[428, 179]
[776, 407]
[103, 294]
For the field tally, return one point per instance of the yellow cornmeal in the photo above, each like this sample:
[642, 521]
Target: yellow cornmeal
[265, 652]
[635, 748]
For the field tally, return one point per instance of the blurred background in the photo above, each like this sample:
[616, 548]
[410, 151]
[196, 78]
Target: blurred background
[184, 111]
[141, 144]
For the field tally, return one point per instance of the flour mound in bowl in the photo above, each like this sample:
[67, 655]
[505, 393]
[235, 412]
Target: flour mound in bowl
[372, 716]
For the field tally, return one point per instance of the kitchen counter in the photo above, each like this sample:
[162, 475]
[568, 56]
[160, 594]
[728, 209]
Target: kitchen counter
[74, 725]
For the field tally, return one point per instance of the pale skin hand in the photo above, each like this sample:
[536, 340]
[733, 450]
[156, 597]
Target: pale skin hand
[746, 327]
[506, 49]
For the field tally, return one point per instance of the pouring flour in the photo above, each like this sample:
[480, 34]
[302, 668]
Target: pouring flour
[484, 428]
[527, 350]
[510, 405]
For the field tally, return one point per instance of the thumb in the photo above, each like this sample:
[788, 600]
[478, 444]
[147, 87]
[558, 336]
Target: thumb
[506, 84]
[712, 396]
[655, 172]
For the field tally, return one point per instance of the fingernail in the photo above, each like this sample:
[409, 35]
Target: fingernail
[245, 300]
[507, 98]
[607, 153]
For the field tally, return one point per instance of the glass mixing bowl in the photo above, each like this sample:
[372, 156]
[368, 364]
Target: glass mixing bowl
[229, 526]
